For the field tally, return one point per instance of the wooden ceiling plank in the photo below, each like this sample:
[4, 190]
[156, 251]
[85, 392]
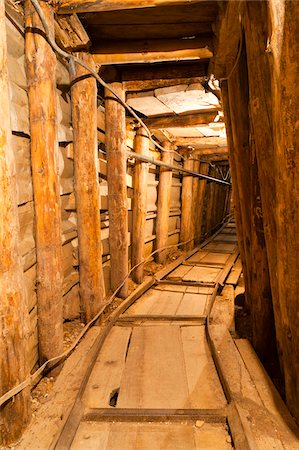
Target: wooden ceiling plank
[205, 142]
[146, 85]
[184, 120]
[81, 6]
[149, 57]
[148, 31]
[148, 72]
[145, 46]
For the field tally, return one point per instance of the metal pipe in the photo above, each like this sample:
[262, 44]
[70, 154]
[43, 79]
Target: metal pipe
[176, 168]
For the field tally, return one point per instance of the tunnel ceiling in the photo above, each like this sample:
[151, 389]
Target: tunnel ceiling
[161, 51]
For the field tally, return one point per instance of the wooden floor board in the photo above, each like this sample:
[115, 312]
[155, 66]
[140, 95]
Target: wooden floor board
[197, 257]
[179, 273]
[217, 258]
[150, 436]
[221, 248]
[192, 304]
[168, 303]
[145, 302]
[107, 371]
[205, 390]
[154, 375]
[204, 274]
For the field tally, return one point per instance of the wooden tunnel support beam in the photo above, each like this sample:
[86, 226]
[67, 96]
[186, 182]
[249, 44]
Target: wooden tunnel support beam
[187, 230]
[141, 146]
[117, 188]
[71, 6]
[210, 202]
[86, 186]
[195, 192]
[204, 169]
[40, 66]
[234, 177]
[244, 169]
[14, 324]
[163, 208]
[272, 77]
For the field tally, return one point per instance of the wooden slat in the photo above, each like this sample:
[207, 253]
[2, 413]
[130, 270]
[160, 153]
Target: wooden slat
[80, 6]
[179, 273]
[220, 247]
[154, 375]
[182, 120]
[203, 383]
[217, 258]
[145, 302]
[107, 371]
[204, 274]
[235, 273]
[192, 304]
[151, 57]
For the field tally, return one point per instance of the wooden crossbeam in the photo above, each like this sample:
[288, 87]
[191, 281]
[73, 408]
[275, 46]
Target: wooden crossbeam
[201, 142]
[81, 6]
[70, 33]
[182, 120]
[148, 76]
[172, 55]
[107, 47]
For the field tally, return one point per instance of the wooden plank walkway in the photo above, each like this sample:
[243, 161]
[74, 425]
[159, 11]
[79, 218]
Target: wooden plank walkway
[156, 365]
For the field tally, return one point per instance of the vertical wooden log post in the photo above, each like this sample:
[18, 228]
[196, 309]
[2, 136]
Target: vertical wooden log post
[187, 216]
[14, 324]
[211, 187]
[40, 66]
[204, 169]
[284, 64]
[141, 146]
[234, 176]
[84, 120]
[117, 188]
[195, 192]
[164, 196]
[244, 155]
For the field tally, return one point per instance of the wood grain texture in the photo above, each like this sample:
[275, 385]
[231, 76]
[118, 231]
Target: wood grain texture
[117, 188]
[14, 328]
[154, 369]
[187, 228]
[86, 185]
[40, 67]
[141, 146]
[163, 207]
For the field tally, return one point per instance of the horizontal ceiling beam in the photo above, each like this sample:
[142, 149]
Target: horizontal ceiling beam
[182, 120]
[223, 151]
[147, 76]
[150, 57]
[201, 142]
[146, 85]
[82, 6]
[151, 45]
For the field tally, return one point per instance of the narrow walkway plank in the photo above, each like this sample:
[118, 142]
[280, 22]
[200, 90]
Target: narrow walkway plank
[205, 390]
[107, 371]
[154, 375]
[205, 274]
